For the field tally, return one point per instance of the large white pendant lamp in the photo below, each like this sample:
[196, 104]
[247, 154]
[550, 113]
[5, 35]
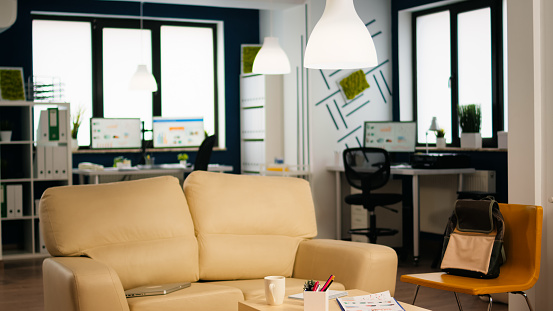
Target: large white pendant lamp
[142, 80]
[340, 40]
[271, 59]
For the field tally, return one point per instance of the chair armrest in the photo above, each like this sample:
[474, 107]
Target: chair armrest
[81, 284]
[364, 266]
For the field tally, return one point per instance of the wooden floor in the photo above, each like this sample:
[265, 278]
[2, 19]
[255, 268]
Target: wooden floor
[21, 288]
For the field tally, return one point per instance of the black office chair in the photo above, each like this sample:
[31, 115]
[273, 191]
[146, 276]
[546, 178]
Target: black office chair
[204, 154]
[369, 169]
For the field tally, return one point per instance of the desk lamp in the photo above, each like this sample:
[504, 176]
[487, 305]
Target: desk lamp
[433, 127]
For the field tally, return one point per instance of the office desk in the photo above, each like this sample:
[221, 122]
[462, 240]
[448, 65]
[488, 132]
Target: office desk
[403, 170]
[163, 169]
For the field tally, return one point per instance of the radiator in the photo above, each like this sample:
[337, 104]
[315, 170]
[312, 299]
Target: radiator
[479, 181]
[439, 192]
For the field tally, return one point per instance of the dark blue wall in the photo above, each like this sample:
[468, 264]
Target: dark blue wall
[241, 26]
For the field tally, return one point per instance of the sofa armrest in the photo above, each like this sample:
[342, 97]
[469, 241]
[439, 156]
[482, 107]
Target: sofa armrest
[364, 266]
[81, 284]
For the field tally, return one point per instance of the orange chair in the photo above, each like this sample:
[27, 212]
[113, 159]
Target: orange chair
[523, 229]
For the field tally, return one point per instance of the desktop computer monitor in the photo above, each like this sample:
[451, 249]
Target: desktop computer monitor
[392, 136]
[178, 132]
[115, 133]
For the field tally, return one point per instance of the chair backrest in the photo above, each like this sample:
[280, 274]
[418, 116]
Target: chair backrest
[523, 231]
[204, 153]
[366, 168]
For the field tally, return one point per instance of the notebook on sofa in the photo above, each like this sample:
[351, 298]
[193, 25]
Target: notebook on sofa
[155, 289]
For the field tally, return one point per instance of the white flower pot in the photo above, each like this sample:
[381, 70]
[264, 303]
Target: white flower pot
[440, 142]
[471, 140]
[74, 145]
[5, 135]
[183, 163]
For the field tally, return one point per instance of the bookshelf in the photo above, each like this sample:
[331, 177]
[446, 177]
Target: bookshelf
[261, 121]
[19, 233]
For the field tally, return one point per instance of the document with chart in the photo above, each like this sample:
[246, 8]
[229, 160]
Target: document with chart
[380, 301]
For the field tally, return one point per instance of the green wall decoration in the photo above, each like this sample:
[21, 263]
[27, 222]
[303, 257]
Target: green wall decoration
[11, 84]
[354, 84]
[248, 55]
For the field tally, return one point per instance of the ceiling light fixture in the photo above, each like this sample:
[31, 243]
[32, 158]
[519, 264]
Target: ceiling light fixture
[271, 58]
[340, 40]
[142, 79]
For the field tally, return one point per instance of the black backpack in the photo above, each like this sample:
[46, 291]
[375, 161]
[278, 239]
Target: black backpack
[473, 240]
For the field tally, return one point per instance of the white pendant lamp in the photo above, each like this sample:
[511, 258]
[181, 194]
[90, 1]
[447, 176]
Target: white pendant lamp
[271, 59]
[340, 40]
[142, 80]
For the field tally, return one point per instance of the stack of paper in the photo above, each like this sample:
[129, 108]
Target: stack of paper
[331, 294]
[381, 301]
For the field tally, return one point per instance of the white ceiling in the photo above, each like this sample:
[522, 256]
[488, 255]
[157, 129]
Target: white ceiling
[243, 4]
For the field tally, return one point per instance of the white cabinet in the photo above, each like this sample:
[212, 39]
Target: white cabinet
[20, 180]
[262, 125]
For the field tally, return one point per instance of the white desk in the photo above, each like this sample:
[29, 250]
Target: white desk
[415, 173]
[162, 169]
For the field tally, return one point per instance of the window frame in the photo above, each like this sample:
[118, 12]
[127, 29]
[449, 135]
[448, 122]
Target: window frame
[496, 19]
[154, 25]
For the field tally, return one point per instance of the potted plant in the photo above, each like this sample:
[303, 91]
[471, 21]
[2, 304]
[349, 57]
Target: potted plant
[470, 118]
[182, 157]
[440, 138]
[5, 130]
[76, 121]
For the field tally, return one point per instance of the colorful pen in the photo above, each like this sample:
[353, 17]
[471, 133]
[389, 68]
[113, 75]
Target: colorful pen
[316, 286]
[327, 283]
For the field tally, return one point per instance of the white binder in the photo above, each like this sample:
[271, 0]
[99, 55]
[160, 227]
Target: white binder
[63, 125]
[18, 200]
[49, 162]
[42, 131]
[10, 193]
[40, 161]
[60, 162]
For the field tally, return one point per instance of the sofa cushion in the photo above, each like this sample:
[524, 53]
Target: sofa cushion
[255, 289]
[142, 228]
[197, 297]
[247, 226]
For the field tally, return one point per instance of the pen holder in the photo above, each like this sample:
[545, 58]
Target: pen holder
[315, 301]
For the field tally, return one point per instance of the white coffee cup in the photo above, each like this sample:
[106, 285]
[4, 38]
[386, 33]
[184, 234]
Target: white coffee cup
[274, 290]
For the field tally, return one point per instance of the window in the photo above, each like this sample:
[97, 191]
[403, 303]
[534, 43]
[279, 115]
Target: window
[458, 61]
[55, 57]
[101, 55]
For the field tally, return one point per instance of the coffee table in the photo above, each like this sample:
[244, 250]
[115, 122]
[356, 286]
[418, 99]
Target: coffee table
[295, 304]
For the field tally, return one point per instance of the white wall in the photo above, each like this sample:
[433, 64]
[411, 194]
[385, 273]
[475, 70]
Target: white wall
[327, 135]
[530, 62]
[311, 135]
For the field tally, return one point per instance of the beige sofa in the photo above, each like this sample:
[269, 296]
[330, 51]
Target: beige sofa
[223, 233]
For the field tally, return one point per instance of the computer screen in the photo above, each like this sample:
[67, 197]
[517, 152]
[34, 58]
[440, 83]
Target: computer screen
[178, 132]
[115, 133]
[392, 136]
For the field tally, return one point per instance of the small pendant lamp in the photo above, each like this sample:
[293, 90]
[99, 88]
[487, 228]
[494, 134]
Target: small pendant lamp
[271, 59]
[340, 40]
[142, 80]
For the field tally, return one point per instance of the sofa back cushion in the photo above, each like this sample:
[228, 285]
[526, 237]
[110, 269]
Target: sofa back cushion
[141, 228]
[248, 226]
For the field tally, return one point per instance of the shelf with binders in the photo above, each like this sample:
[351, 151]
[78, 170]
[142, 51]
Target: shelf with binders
[19, 234]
